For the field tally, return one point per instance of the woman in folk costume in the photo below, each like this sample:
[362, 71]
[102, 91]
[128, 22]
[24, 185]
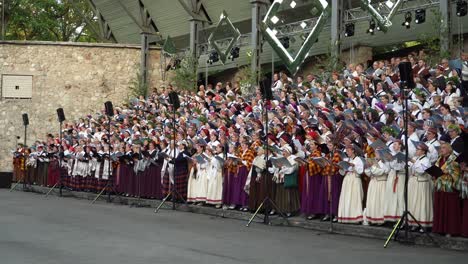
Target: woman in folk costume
[101, 174]
[313, 183]
[198, 177]
[420, 201]
[53, 173]
[126, 170]
[231, 165]
[79, 169]
[255, 185]
[378, 172]
[287, 194]
[350, 205]
[332, 183]
[447, 204]
[89, 180]
[395, 189]
[214, 194]
[153, 172]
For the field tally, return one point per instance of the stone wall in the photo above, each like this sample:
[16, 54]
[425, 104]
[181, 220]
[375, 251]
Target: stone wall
[75, 76]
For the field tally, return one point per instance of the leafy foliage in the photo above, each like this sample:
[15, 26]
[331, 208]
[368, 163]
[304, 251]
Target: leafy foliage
[138, 87]
[185, 76]
[432, 40]
[50, 20]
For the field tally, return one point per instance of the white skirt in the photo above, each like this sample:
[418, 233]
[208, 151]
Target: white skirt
[197, 186]
[350, 206]
[375, 201]
[420, 201]
[215, 187]
[394, 196]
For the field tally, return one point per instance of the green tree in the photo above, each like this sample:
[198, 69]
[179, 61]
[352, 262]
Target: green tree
[50, 20]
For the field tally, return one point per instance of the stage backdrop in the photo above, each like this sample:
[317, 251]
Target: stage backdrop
[78, 77]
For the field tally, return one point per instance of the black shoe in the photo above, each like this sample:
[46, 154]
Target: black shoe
[326, 218]
[309, 217]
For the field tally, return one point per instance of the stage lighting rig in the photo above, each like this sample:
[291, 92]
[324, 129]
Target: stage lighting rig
[461, 8]
[371, 29]
[420, 16]
[285, 42]
[349, 30]
[214, 57]
[234, 53]
[408, 19]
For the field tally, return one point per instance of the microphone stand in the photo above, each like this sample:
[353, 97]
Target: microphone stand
[173, 192]
[403, 221]
[110, 182]
[267, 202]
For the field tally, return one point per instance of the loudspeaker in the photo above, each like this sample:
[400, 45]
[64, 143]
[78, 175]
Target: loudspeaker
[25, 119]
[174, 100]
[406, 74]
[109, 108]
[265, 89]
[61, 115]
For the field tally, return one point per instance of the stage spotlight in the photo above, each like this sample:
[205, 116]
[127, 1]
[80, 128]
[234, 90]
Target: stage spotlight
[234, 53]
[461, 8]
[349, 30]
[214, 57]
[285, 42]
[408, 18]
[420, 16]
[371, 29]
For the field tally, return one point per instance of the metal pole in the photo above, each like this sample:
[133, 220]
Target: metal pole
[174, 151]
[445, 34]
[60, 161]
[405, 112]
[144, 59]
[335, 30]
[110, 164]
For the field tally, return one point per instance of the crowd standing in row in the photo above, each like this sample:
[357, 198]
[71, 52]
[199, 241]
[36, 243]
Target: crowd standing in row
[332, 149]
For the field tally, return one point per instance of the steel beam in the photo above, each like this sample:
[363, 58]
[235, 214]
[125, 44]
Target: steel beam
[256, 38]
[144, 64]
[445, 34]
[336, 19]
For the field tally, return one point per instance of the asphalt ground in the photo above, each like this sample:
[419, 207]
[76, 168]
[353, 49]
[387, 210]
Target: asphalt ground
[34, 229]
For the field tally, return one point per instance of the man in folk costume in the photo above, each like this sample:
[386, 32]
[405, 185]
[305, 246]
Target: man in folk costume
[420, 200]
[377, 171]
[287, 194]
[181, 170]
[254, 186]
[198, 181]
[310, 202]
[447, 206]
[248, 156]
[394, 191]
[214, 195]
[154, 172]
[350, 205]
[167, 171]
[332, 182]
[42, 165]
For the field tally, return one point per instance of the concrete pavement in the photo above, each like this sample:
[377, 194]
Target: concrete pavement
[34, 229]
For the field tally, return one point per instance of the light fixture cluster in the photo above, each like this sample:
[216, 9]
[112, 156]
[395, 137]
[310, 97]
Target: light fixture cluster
[461, 8]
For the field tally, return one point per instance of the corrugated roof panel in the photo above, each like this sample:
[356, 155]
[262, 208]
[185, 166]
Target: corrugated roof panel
[169, 16]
